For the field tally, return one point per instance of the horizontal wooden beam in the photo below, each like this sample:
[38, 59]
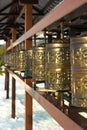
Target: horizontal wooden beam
[61, 118]
[16, 14]
[9, 5]
[28, 1]
[56, 14]
[9, 14]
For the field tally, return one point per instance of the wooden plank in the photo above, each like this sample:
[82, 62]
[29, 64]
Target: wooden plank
[59, 12]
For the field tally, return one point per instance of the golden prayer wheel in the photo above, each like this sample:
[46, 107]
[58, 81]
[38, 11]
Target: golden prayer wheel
[38, 64]
[21, 61]
[78, 48]
[58, 66]
[9, 59]
[6, 59]
[28, 64]
[12, 62]
[16, 60]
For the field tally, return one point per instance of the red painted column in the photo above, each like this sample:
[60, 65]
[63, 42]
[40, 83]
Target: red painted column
[6, 72]
[13, 80]
[28, 44]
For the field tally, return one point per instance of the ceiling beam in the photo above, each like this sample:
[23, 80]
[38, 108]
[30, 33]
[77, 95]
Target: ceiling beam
[3, 18]
[7, 6]
[10, 23]
[28, 1]
[16, 14]
[37, 10]
[9, 14]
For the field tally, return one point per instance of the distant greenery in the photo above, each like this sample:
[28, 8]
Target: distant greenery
[2, 51]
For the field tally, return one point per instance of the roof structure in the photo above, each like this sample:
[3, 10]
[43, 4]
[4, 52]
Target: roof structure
[12, 15]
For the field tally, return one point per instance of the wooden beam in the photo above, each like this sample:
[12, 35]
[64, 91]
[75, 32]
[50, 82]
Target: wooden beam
[7, 83]
[28, 1]
[7, 6]
[7, 42]
[13, 98]
[28, 108]
[6, 72]
[28, 23]
[9, 14]
[13, 30]
[28, 44]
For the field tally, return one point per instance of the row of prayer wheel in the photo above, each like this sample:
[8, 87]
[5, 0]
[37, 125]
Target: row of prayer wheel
[62, 65]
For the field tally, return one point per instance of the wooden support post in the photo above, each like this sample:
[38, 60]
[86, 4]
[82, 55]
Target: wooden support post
[5, 80]
[13, 80]
[28, 108]
[7, 83]
[28, 44]
[7, 45]
[28, 24]
[6, 72]
[13, 97]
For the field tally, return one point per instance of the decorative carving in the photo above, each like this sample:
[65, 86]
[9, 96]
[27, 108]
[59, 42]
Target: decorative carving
[38, 64]
[79, 57]
[21, 61]
[79, 71]
[58, 79]
[58, 66]
[59, 56]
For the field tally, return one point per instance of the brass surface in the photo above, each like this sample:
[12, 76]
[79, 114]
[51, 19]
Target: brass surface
[28, 64]
[78, 48]
[58, 66]
[21, 61]
[38, 64]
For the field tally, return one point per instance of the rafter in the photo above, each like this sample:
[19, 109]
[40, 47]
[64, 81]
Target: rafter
[7, 6]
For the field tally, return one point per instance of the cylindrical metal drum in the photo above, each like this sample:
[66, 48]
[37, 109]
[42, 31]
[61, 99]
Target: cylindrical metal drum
[58, 65]
[78, 48]
[28, 64]
[21, 61]
[6, 59]
[12, 63]
[38, 64]
[9, 59]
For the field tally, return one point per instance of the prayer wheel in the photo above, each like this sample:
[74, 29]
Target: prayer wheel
[16, 60]
[28, 64]
[12, 61]
[38, 64]
[78, 48]
[58, 66]
[21, 61]
[6, 59]
[9, 60]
